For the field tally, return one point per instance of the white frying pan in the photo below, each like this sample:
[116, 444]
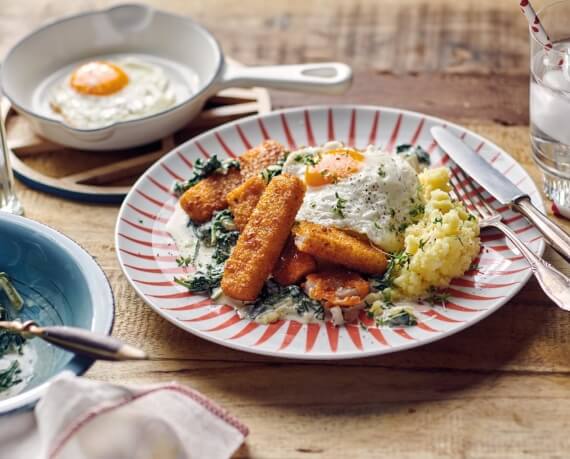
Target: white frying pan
[189, 54]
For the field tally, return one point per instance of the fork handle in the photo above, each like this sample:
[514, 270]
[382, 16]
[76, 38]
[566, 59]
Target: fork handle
[555, 284]
[556, 236]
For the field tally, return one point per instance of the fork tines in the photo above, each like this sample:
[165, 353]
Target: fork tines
[465, 190]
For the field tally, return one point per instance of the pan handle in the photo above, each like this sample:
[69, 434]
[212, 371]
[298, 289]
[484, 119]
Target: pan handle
[324, 78]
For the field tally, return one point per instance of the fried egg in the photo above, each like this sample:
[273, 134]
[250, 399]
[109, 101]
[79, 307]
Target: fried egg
[100, 93]
[371, 192]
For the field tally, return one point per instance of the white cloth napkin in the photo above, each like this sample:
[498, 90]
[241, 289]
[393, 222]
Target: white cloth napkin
[82, 419]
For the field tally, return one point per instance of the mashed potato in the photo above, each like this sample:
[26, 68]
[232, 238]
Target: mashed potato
[442, 244]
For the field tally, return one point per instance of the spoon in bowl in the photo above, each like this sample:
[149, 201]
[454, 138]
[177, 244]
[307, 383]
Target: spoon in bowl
[77, 340]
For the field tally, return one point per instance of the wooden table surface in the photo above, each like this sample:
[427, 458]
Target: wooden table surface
[497, 390]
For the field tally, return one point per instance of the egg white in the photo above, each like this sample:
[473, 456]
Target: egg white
[376, 201]
[147, 92]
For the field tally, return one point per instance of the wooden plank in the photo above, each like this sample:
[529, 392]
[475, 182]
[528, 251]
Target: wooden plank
[403, 36]
[502, 99]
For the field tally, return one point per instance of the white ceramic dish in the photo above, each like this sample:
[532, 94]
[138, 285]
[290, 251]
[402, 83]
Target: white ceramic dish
[147, 253]
[191, 57]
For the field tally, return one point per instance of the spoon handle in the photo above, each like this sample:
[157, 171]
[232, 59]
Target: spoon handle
[80, 341]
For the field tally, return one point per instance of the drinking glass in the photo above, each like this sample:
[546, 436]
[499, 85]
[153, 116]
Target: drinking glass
[8, 200]
[550, 101]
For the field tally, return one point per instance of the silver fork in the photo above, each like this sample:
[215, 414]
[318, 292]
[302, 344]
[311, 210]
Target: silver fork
[555, 284]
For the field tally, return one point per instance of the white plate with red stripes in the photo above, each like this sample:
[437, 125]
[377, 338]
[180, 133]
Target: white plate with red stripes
[147, 253]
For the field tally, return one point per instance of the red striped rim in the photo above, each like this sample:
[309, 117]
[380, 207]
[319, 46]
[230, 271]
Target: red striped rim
[143, 256]
[332, 335]
[418, 131]
[187, 162]
[404, 334]
[192, 306]
[156, 245]
[224, 145]
[330, 125]
[292, 331]
[287, 131]
[249, 327]
[234, 319]
[222, 310]
[352, 129]
[395, 132]
[202, 150]
[269, 332]
[170, 172]
[354, 334]
[147, 214]
[159, 185]
[243, 138]
[309, 129]
[312, 334]
[263, 129]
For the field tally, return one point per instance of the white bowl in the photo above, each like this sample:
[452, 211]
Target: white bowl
[189, 54]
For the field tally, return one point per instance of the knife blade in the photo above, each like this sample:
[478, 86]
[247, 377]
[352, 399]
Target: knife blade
[480, 170]
[501, 188]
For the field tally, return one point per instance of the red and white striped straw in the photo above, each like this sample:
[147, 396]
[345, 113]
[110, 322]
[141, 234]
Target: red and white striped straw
[535, 25]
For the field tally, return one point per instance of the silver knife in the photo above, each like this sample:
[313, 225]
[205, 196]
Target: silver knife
[501, 188]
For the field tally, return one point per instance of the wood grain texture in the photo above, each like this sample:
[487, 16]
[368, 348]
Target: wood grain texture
[497, 390]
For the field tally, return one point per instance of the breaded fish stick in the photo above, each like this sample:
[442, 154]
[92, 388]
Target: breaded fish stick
[243, 199]
[293, 265]
[263, 238]
[336, 246]
[209, 195]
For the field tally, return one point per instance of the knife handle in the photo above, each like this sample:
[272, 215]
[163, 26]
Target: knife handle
[556, 236]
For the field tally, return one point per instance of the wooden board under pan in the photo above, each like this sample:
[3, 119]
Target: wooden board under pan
[108, 176]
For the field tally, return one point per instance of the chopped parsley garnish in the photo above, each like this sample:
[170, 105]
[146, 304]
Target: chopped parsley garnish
[307, 159]
[381, 171]
[417, 210]
[422, 243]
[438, 220]
[392, 213]
[398, 317]
[202, 169]
[396, 261]
[184, 261]
[407, 149]
[10, 342]
[274, 170]
[338, 208]
[10, 376]
[471, 217]
[437, 297]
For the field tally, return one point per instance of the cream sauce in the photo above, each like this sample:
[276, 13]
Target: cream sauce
[27, 361]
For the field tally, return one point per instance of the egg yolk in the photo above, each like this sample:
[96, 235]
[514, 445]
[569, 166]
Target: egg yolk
[98, 78]
[333, 166]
